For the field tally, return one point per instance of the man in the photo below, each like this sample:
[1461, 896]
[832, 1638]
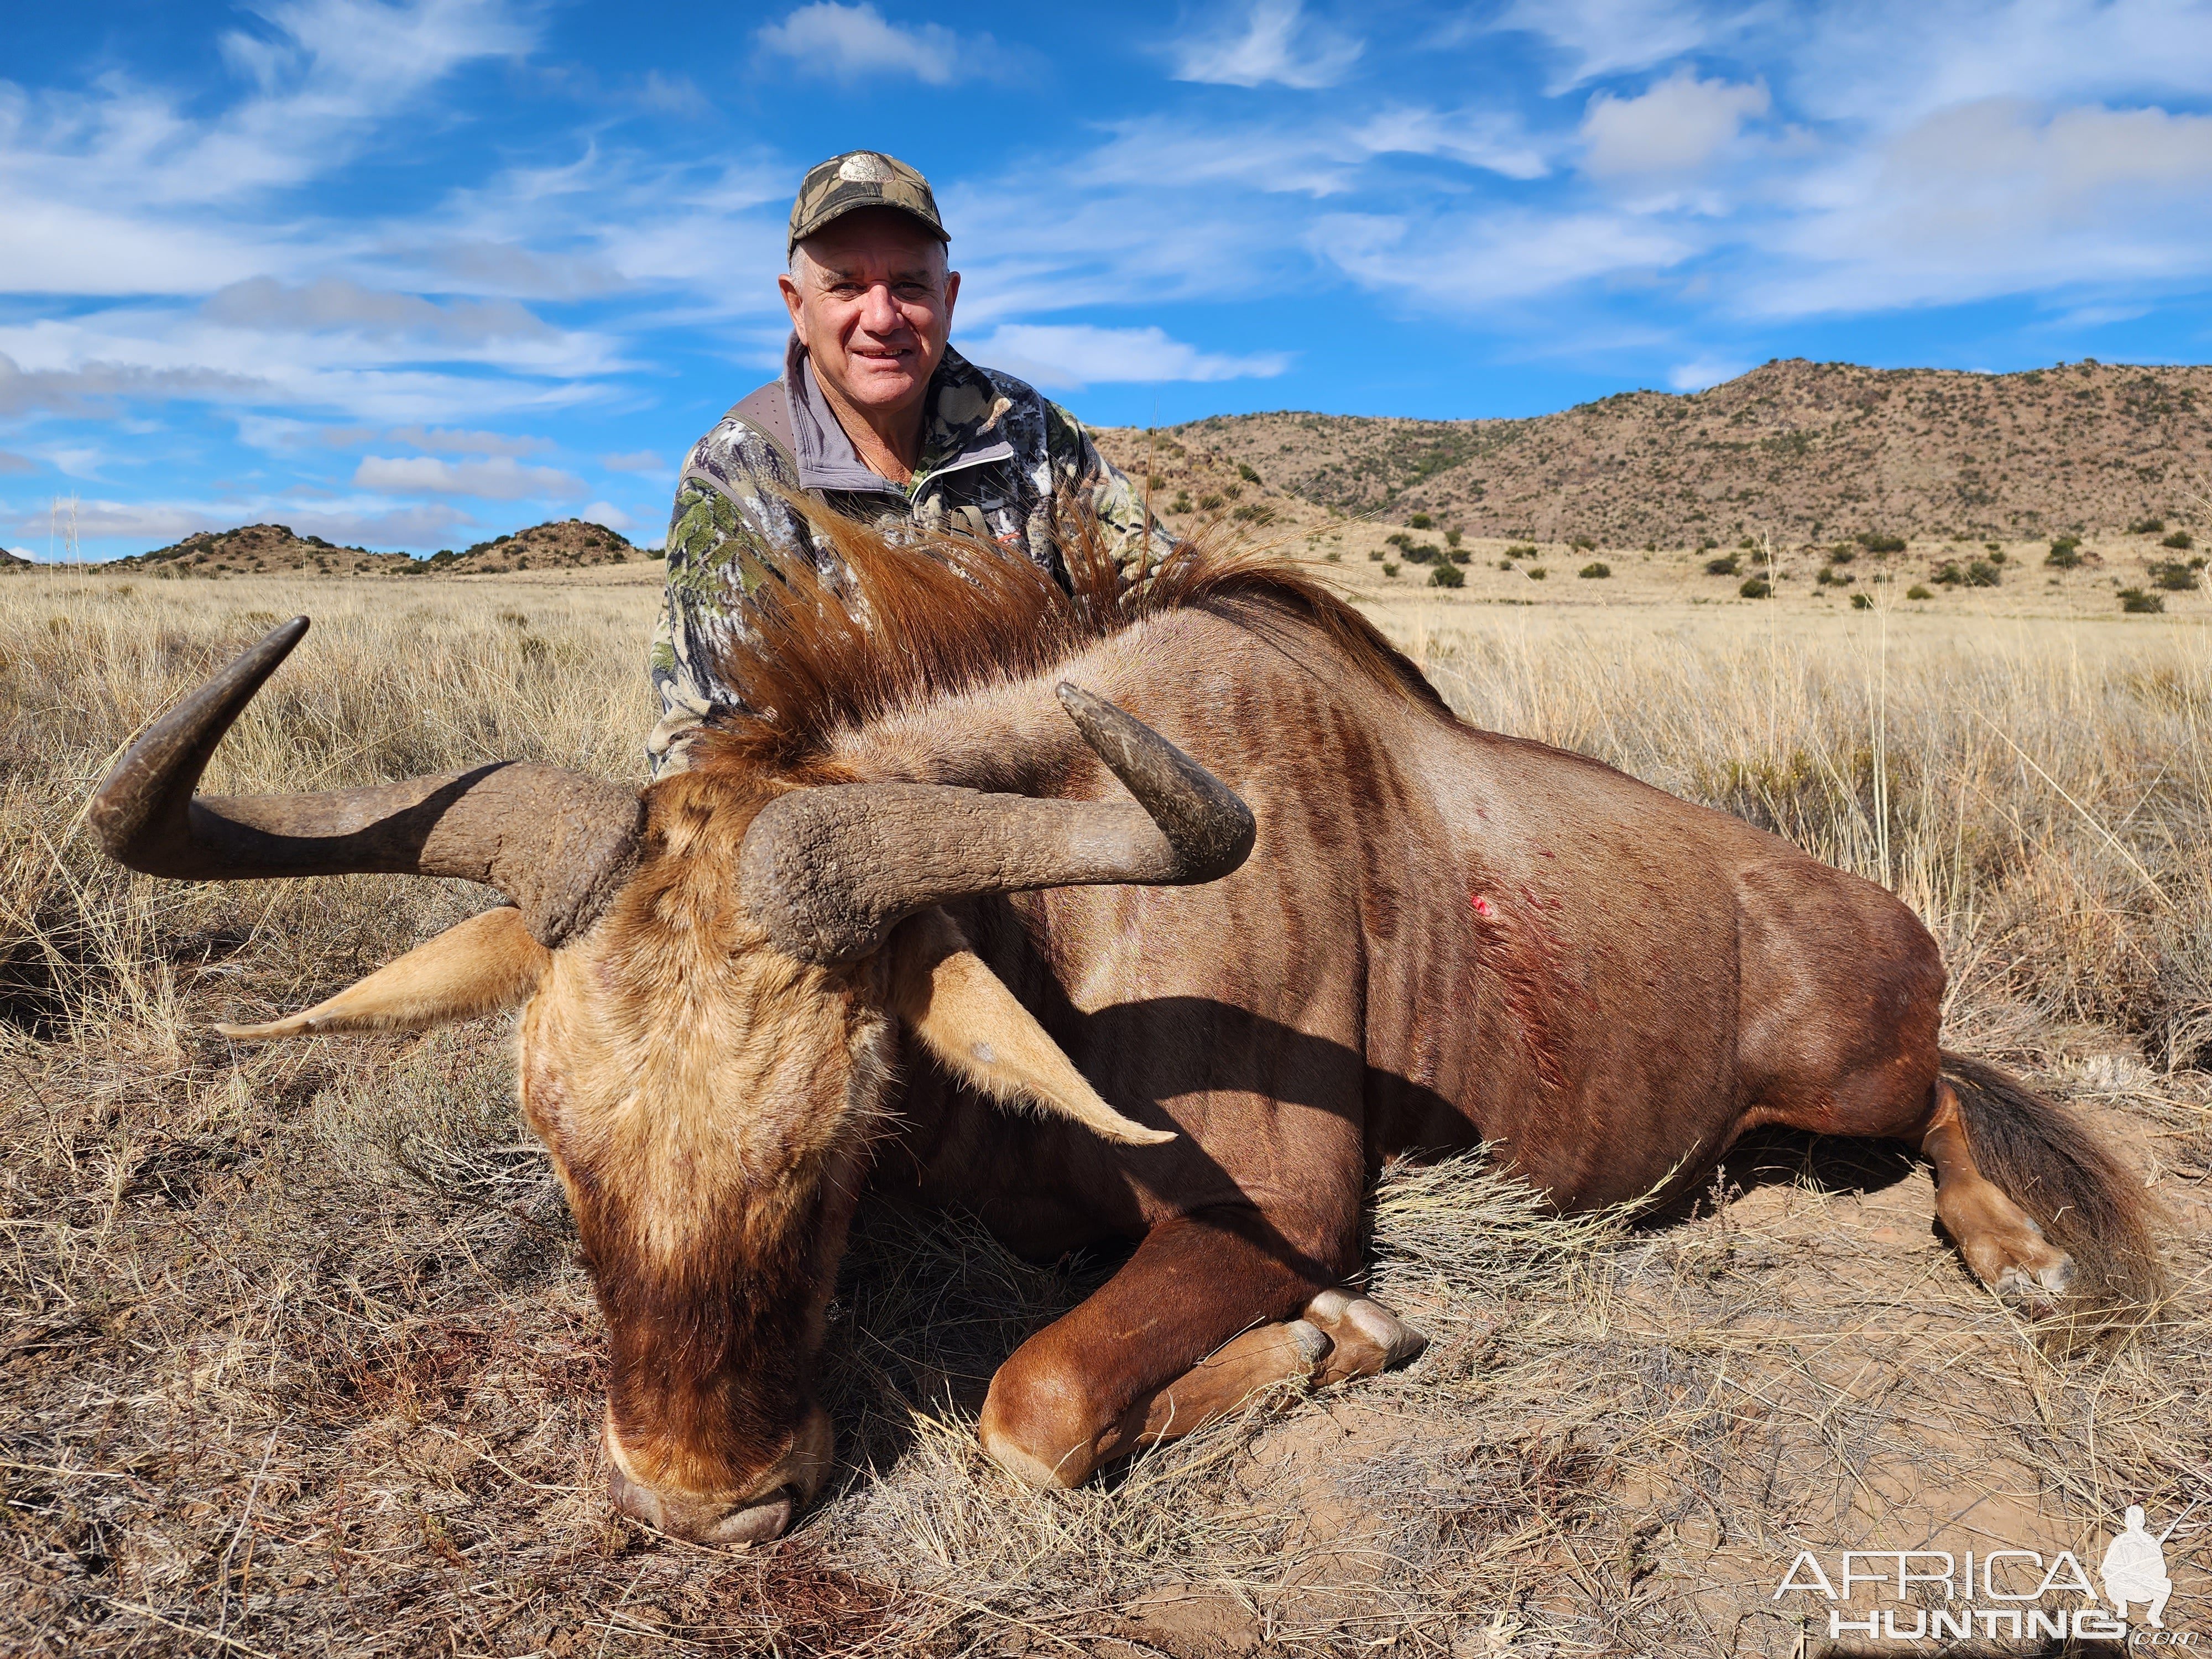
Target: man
[875, 416]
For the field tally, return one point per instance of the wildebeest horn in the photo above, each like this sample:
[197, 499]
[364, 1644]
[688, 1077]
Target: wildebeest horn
[555, 842]
[828, 871]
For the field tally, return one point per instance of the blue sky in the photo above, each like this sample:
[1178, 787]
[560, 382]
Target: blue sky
[410, 274]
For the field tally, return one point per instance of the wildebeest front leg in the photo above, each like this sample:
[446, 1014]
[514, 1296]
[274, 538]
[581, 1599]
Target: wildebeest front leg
[1197, 1323]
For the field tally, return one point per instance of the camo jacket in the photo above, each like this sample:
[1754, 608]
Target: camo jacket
[995, 456]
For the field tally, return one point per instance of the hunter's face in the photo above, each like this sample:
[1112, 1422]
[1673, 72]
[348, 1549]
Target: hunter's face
[872, 303]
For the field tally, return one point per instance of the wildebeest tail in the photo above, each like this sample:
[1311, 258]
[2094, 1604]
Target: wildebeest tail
[2047, 1161]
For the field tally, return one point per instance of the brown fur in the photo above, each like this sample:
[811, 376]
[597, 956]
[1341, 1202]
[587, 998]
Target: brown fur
[1442, 937]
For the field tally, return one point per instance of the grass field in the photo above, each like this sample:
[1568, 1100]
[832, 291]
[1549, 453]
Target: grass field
[295, 1357]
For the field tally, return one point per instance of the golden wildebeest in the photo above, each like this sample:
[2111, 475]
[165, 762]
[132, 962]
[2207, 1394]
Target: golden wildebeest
[922, 876]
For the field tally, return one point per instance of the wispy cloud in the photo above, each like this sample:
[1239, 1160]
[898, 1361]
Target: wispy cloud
[1276, 42]
[333, 303]
[1069, 357]
[641, 461]
[852, 42]
[16, 463]
[87, 386]
[499, 479]
[1675, 126]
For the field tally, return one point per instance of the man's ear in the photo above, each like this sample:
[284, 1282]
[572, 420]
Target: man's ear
[965, 1016]
[487, 963]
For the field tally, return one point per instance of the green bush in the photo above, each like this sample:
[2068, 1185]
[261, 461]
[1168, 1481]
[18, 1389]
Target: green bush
[1505, 564]
[1389, 566]
[1424, 553]
[1461, 555]
[1828, 578]
[2136, 601]
[1451, 537]
[1951, 575]
[2173, 576]
[1209, 503]
[1862, 601]
[1535, 573]
[1246, 473]
[2180, 541]
[1521, 550]
[2065, 554]
[1841, 553]
[1982, 574]
[1447, 575]
[1757, 588]
[1182, 501]
[1877, 543]
[1595, 570]
[1421, 521]
[2146, 526]
[1916, 592]
[1399, 539]
[1254, 512]
[1726, 565]
[1584, 544]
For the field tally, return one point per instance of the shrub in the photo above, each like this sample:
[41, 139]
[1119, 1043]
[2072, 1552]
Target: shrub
[1757, 588]
[1828, 578]
[1916, 592]
[1246, 473]
[1505, 564]
[1254, 512]
[1182, 501]
[1521, 550]
[1594, 570]
[1374, 555]
[2065, 554]
[1982, 574]
[2173, 576]
[1461, 555]
[1447, 575]
[1235, 492]
[1875, 543]
[2146, 526]
[2180, 541]
[1841, 553]
[1209, 503]
[1725, 565]
[1399, 540]
[1451, 537]
[1584, 544]
[1333, 555]
[1862, 601]
[2136, 601]
[1949, 576]
[1422, 521]
[1535, 573]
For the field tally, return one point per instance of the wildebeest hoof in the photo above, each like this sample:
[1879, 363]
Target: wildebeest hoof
[2037, 1283]
[1364, 1336]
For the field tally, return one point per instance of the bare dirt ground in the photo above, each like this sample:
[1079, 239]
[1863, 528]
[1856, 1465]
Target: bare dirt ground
[296, 1357]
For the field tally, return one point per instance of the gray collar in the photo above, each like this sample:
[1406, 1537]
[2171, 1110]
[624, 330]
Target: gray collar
[825, 456]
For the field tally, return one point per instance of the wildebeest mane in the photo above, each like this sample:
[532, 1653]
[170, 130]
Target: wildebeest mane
[932, 614]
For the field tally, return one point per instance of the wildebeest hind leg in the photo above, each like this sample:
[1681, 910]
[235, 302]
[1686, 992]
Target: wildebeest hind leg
[1190, 1328]
[2000, 1240]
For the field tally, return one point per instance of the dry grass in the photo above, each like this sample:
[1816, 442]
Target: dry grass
[295, 1356]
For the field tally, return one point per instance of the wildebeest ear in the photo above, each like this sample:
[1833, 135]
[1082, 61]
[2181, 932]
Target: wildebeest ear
[488, 963]
[964, 1015]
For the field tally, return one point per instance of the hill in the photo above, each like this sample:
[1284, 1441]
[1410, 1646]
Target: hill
[275, 550]
[1796, 449]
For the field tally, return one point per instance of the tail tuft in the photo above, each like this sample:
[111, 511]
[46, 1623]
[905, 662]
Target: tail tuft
[2042, 1158]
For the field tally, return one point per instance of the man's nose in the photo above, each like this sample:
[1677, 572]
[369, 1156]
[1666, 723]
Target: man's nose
[878, 315]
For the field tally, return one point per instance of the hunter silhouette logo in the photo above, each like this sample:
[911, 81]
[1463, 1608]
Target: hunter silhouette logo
[2134, 1568]
[2010, 1593]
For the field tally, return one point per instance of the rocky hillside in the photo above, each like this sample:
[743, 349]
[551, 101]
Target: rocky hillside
[261, 549]
[562, 544]
[257, 550]
[1801, 450]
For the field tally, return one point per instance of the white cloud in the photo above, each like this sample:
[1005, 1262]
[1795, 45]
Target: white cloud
[16, 463]
[498, 479]
[444, 442]
[332, 303]
[1477, 138]
[1675, 126]
[1069, 357]
[1516, 254]
[608, 513]
[1702, 372]
[1276, 42]
[850, 43]
[1608, 37]
[87, 386]
[1996, 197]
[640, 460]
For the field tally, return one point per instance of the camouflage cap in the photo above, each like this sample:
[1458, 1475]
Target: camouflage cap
[861, 179]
